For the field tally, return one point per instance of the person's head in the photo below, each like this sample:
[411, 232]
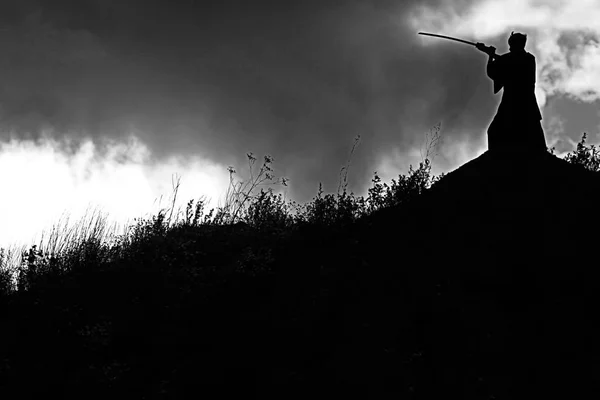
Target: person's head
[517, 41]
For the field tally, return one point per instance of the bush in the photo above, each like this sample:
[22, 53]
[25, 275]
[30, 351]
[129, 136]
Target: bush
[330, 209]
[586, 156]
[240, 195]
[268, 211]
[406, 188]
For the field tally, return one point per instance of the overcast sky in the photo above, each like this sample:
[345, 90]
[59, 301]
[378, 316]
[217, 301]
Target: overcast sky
[102, 101]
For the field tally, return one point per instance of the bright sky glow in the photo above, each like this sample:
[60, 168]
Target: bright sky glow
[40, 184]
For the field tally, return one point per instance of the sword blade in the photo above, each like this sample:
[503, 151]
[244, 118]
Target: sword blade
[447, 37]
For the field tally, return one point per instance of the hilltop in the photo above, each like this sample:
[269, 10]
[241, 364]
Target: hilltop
[481, 287]
[510, 241]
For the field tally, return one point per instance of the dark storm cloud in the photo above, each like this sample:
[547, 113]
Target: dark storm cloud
[297, 80]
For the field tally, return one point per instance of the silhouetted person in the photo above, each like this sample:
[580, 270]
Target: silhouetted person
[517, 124]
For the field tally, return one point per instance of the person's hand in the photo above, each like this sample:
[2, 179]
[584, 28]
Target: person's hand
[489, 50]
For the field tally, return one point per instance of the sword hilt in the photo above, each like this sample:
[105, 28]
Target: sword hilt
[489, 50]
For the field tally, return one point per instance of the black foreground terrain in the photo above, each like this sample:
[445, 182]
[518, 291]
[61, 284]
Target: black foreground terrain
[485, 287]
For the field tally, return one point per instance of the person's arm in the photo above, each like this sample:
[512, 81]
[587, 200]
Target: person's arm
[492, 56]
[489, 50]
[492, 66]
[496, 71]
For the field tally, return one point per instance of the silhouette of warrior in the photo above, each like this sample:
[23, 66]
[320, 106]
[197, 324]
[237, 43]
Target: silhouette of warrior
[518, 115]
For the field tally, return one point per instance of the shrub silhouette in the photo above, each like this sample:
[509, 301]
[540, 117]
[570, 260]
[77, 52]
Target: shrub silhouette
[585, 156]
[268, 211]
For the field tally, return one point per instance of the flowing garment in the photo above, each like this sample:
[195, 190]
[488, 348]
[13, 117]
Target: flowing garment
[517, 124]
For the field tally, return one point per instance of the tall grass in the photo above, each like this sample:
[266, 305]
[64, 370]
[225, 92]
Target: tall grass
[66, 247]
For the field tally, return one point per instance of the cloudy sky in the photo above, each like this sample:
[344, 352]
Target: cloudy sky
[102, 101]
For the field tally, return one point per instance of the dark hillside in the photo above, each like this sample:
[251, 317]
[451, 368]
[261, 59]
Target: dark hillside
[483, 287]
[504, 249]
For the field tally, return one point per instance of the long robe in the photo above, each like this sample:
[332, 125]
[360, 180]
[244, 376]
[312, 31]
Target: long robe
[517, 124]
